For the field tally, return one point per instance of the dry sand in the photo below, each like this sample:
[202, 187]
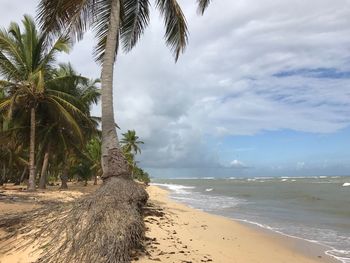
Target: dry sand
[177, 233]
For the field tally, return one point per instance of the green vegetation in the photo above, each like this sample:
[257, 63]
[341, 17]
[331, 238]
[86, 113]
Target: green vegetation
[44, 108]
[130, 146]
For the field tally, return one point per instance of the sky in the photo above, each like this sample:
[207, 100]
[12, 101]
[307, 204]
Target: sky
[263, 89]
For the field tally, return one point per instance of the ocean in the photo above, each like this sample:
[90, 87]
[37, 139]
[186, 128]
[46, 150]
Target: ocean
[316, 209]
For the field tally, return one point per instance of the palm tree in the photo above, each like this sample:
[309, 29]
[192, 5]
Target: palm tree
[130, 146]
[25, 62]
[79, 92]
[33, 89]
[115, 22]
[131, 142]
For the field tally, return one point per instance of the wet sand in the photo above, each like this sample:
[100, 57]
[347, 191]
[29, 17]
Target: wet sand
[183, 234]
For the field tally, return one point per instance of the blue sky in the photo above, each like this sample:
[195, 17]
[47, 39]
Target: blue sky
[262, 89]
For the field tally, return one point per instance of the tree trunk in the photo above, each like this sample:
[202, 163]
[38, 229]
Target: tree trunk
[110, 144]
[3, 175]
[95, 180]
[23, 174]
[42, 182]
[64, 177]
[31, 182]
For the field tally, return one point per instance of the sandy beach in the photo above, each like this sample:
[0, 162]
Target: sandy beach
[184, 234]
[177, 233]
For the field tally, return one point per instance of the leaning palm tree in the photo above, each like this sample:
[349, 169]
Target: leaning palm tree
[116, 23]
[25, 62]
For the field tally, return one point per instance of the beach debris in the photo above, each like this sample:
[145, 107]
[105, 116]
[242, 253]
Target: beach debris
[102, 227]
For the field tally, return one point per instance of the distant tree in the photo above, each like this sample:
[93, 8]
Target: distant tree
[130, 142]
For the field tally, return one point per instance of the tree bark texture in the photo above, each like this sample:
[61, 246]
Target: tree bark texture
[32, 170]
[42, 182]
[110, 144]
[64, 177]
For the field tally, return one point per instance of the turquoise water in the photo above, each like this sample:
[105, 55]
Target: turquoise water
[316, 209]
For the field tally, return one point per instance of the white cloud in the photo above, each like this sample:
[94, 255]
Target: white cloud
[237, 164]
[225, 83]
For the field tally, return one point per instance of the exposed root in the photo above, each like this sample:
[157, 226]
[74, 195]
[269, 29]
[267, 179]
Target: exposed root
[102, 227]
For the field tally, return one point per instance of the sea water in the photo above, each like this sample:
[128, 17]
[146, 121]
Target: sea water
[316, 209]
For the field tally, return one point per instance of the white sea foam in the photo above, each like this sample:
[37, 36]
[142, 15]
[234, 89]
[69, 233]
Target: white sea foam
[179, 189]
[209, 189]
[346, 184]
[341, 255]
[284, 180]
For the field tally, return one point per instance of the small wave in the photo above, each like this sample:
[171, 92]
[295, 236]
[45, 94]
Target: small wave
[180, 189]
[208, 178]
[209, 189]
[284, 180]
[346, 184]
[341, 255]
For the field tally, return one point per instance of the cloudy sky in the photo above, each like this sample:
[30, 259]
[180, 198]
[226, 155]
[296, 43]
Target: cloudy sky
[263, 89]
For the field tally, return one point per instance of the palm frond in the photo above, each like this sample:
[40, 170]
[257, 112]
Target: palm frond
[176, 32]
[8, 69]
[65, 17]
[10, 50]
[202, 5]
[102, 14]
[67, 116]
[62, 44]
[135, 18]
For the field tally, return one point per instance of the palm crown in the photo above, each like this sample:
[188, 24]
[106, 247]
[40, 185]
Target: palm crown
[131, 142]
[76, 16]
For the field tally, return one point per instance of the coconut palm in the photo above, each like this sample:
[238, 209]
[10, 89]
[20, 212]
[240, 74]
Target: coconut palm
[131, 142]
[79, 92]
[31, 88]
[115, 23]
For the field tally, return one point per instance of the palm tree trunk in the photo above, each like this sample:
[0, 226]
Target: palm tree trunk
[64, 177]
[31, 182]
[95, 180]
[23, 174]
[42, 182]
[110, 144]
[3, 175]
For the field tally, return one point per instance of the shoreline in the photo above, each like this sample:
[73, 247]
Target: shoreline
[255, 243]
[179, 233]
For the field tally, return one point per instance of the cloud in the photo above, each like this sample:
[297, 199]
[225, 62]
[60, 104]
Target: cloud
[250, 67]
[237, 164]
